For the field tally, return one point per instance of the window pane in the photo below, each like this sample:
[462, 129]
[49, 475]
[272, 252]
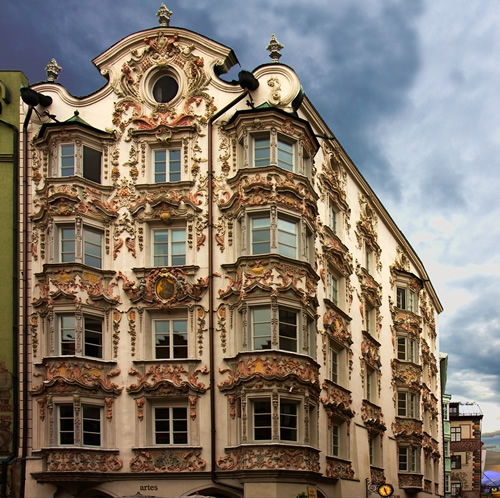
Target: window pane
[92, 164]
[285, 155]
[262, 420]
[287, 238]
[288, 330]
[160, 159]
[180, 425]
[402, 348]
[91, 425]
[175, 165]
[261, 235]
[178, 247]
[262, 155]
[162, 425]
[66, 425]
[67, 244]
[92, 336]
[160, 248]
[67, 160]
[401, 298]
[67, 334]
[288, 421]
[92, 242]
[162, 339]
[180, 341]
[261, 326]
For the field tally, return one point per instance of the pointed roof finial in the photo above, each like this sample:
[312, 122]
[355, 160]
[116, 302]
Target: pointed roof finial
[274, 48]
[163, 15]
[52, 70]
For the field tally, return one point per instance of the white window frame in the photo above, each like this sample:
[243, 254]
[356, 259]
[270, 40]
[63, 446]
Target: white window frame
[173, 428]
[336, 362]
[371, 384]
[173, 323]
[80, 165]
[288, 422]
[171, 172]
[409, 459]
[338, 446]
[171, 259]
[407, 404]
[406, 299]
[265, 324]
[277, 235]
[284, 146]
[79, 417]
[455, 434]
[407, 348]
[77, 249]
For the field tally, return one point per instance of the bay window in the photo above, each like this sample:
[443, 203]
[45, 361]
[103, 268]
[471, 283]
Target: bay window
[89, 245]
[89, 329]
[407, 404]
[407, 348]
[170, 425]
[288, 328]
[406, 299]
[79, 426]
[90, 164]
[284, 150]
[262, 418]
[408, 459]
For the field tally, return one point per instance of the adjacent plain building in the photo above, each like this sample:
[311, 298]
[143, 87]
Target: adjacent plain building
[217, 302]
[465, 446]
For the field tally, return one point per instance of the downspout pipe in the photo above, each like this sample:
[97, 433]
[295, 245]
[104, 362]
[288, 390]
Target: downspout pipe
[15, 304]
[248, 82]
[24, 269]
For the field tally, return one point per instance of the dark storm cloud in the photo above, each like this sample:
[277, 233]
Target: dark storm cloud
[472, 340]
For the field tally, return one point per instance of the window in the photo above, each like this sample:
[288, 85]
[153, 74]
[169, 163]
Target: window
[287, 328]
[446, 449]
[406, 299]
[92, 335]
[167, 165]
[333, 363]
[91, 245]
[408, 405]
[368, 259]
[456, 462]
[456, 433]
[285, 152]
[170, 425]
[407, 349]
[169, 247]
[79, 427]
[371, 385]
[91, 162]
[287, 236]
[456, 489]
[453, 409]
[335, 440]
[369, 318]
[332, 217]
[375, 449]
[336, 362]
[171, 339]
[333, 287]
[165, 88]
[263, 416]
[409, 459]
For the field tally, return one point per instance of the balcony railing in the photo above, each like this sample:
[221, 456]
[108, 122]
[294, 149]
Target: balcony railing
[410, 481]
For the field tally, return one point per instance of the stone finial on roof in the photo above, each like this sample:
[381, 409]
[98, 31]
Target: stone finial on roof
[52, 70]
[274, 48]
[163, 15]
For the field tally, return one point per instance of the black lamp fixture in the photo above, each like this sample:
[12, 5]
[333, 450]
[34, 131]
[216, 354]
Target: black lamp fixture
[33, 98]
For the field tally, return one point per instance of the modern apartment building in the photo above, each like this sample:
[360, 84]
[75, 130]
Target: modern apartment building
[217, 302]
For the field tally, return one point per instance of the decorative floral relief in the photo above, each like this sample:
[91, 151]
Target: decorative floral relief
[167, 460]
[173, 374]
[407, 375]
[339, 469]
[82, 461]
[62, 376]
[270, 457]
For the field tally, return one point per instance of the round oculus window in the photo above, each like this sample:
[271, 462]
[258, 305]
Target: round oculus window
[165, 89]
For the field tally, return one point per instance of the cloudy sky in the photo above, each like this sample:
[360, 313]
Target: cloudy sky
[411, 89]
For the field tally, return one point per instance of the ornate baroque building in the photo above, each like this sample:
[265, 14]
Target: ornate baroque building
[217, 302]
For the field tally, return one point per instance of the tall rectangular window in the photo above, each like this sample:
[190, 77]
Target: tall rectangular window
[262, 423]
[167, 165]
[170, 425]
[332, 218]
[287, 238]
[456, 433]
[262, 152]
[169, 247]
[67, 332]
[333, 364]
[285, 155]
[67, 159]
[288, 420]
[91, 425]
[261, 235]
[287, 330]
[261, 328]
[92, 336]
[92, 160]
[92, 247]
[333, 288]
[67, 244]
[66, 425]
[406, 299]
[409, 459]
[335, 440]
[171, 339]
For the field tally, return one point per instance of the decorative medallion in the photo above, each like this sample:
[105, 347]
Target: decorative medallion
[166, 287]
